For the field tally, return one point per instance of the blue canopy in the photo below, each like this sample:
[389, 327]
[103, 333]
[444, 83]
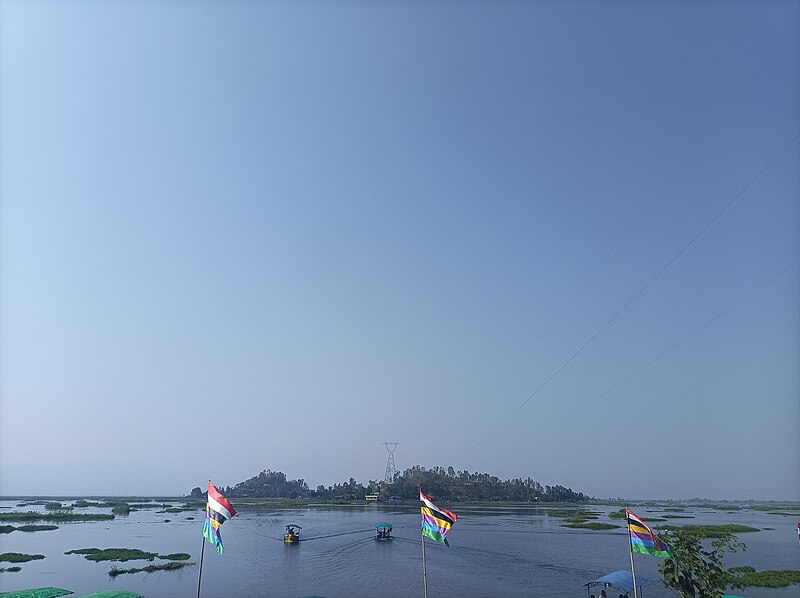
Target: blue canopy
[621, 580]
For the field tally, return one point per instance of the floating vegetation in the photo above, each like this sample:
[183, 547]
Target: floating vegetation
[170, 566]
[85, 503]
[36, 528]
[675, 509]
[10, 569]
[749, 577]
[621, 514]
[677, 517]
[712, 531]
[777, 507]
[56, 516]
[721, 507]
[145, 505]
[581, 516]
[190, 519]
[56, 506]
[175, 556]
[114, 554]
[559, 512]
[595, 525]
[121, 508]
[19, 557]
[6, 529]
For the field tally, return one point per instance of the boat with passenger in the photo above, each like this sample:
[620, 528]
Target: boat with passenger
[292, 535]
[383, 530]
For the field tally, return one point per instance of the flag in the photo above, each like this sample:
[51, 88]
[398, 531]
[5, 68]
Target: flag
[436, 522]
[643, 540]
[218, 511]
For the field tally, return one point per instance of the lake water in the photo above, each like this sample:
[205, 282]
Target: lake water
[493, 552]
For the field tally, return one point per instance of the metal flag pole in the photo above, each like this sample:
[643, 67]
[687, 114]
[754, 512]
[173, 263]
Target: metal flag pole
[630, 548]
[200, 574]
[424, 569]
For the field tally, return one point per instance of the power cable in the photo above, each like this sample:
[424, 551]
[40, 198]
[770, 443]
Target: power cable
[636, 295]
[653, 360]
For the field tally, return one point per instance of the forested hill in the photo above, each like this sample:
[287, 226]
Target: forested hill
[442, 483]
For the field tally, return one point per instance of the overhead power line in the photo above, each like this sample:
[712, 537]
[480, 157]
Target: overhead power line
[653, 360]
[638, 293]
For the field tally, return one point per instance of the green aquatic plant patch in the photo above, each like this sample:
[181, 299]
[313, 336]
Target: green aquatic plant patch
[593, 525]
[617, 514]
[720, 507]
[186, 507]
[6, 529]
[19, 557]
[36, 528]
[749, 577]
[777, 507]
[581, 516]
[559, 512]
[122, 509]
[83, 551]
[55, 516]
[176, 556]
[170, 566]
[144, 505]
[10, 569]
[675, 509]
[677, 517]
[712, 531]
[114, 554]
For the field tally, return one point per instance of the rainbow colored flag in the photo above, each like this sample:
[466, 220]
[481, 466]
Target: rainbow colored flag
[436, 522]
[218, 511]
[643, 540]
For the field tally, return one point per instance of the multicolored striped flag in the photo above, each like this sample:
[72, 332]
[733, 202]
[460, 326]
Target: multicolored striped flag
[218, 511]
[643, 540]
[436, 522]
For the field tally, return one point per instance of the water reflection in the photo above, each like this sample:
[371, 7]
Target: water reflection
[495, 551]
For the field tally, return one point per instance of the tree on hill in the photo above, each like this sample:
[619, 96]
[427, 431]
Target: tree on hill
[446, 484]
[270, 484]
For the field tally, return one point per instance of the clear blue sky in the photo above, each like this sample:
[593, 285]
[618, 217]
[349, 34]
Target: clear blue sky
[546, 239]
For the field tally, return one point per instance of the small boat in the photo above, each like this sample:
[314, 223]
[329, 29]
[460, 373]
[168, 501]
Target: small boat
[620, 581]
[292, 535]
[383, 531]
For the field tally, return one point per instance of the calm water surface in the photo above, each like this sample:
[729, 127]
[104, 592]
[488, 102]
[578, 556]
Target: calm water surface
[493, 552]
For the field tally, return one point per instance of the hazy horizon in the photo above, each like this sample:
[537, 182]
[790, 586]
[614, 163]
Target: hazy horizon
[557, 240]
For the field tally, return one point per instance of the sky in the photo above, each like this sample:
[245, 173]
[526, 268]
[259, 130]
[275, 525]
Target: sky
[545, 239]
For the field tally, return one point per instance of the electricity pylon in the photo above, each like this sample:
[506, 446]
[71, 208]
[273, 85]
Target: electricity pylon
[390, 470]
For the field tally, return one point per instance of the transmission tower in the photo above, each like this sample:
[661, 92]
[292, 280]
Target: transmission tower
[390, 470]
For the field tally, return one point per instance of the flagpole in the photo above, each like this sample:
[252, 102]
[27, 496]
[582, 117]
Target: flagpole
[200, 574]
[424, 569]
[630, 548]
[633, 572]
